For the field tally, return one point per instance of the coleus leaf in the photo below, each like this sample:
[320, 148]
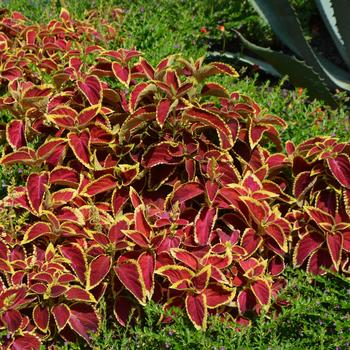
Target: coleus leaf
[139, 92]
[335, 247]
[23, 155]
[41, 317]
[122, 73]
[79, 294]
[86, 115]
[102, 184]
[246, 301]
[92, 89]
[164, 108]
[196, 307]
[196, 114]
[12, 320]
[61, 314]
[98, 269]
[218, 295]
[204, 224]
[80, 145]
[35, 231]
[130, 274]
[36, 187]
[49, 147]
[175, 273]
[26, 341]
[123, 309]
[159, 154]
[309, 243]
[186, 192]
[262, 291]
[15, 133]
[201, 279]
[147, 264]
[77, 260]
[340, 168]
[83, 320]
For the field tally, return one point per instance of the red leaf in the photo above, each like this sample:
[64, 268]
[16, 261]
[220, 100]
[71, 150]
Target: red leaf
[340, 168]
[37, 230]
[77, 293]
[256, 133]
[80, 145]
[196, 307]
[319, 259]
[159, 154]
[139, 92]
[41, 317]
[24, 155]
[88, 114]
[303, 182]
[26, 341]
[49, 147]
[11, 74]
[319, 216]
[103, 184]
[212, 120]
[141, 224]
[185, 257]
[219, 67]
[217, 295]
[277, 234]
[63, 196]
[120, 197]
[147, 264]
[251, 240]
[204, 224]
[276, 265]
[201, 279]
[246, 301]
[163, 110]
[98, 270]
[130, 274]
[12, 320]
[64, 176]
[121, 73]
[92, 89]
[307, 245]
[262, 291]
[147, 69]
[175, 273]
[61, 314]
[15, 133]
[187, 191]
[77, 260]
[214, 89]
[335, 246]
[83, 320]
[36, 185]
[123, 309]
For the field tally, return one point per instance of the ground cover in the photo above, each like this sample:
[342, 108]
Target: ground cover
[307, 322]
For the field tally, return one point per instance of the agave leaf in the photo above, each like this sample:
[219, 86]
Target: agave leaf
[333, 14]
[284, 22]
[300, 74]
[282, 18]
[233, 58]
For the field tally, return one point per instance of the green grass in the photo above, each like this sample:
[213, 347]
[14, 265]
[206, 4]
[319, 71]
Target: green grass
[317, 318]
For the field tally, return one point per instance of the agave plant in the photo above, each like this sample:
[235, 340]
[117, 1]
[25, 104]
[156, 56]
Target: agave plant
[307, 68]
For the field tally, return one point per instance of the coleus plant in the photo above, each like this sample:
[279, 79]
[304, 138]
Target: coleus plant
[151, 183]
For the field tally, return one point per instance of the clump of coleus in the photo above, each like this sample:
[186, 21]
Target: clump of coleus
[153, 183]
